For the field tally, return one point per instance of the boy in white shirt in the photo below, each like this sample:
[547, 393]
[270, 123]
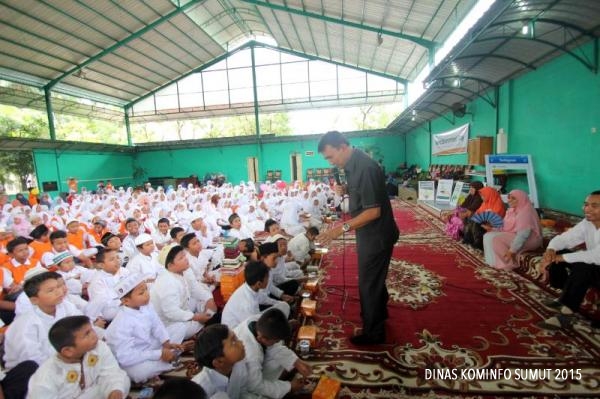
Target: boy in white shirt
[145, 262]
[247, 298]
[77, 278]
[302, 245]
[271, 328]
[136, 335]
[83, 366]
[27, 336]
[181, 304]
[221, 355]
[59, 242]
[104, 301]
[161, 236]
[199, 261]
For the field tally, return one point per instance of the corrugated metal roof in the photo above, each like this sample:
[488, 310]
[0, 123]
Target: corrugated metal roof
[512, 38]
[126, 49]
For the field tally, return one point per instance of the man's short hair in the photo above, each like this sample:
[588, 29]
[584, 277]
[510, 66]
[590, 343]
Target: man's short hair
[163, 220]
[597, 192]
[209, 344]
[255, 271]
[32, 285]
[273, 324]
[62, 333]
[312, 230]
[334, 139]
[174, 231]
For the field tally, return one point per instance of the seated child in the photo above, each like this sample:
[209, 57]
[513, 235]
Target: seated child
[58, 240]
[221, 355]
[104, 301]
[20, 261]
[269, 255]
[178, 388]
[177, 234]
[301, 246]
[178, 298]
[82, 366]
[272, 327]
[247, 298]
[144, 261]
[41, 241]
[238, 230]
[161, 236]
[136, 335]
[9, 291]
[199, 260]
[27, 336]
[76, 277]
[111, 241]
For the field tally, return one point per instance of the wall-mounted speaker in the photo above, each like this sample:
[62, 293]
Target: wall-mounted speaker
[459, 110]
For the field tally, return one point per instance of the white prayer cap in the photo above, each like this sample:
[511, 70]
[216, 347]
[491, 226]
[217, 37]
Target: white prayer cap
[127, 284]
[162, 255]
[142, 238]
[275, 238]
[34, 272]
[72, 220]
[197, 215]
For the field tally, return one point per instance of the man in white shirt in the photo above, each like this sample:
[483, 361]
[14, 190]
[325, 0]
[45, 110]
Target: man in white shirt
[574, 272]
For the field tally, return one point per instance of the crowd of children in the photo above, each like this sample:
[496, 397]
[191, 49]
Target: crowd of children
[111, 289]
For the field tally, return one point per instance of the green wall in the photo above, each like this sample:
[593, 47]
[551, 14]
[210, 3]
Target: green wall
[549, 113]
[232, 159]
[87, 167]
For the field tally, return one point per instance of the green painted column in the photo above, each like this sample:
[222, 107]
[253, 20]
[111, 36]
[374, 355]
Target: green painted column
[128, 127]
[50, 113]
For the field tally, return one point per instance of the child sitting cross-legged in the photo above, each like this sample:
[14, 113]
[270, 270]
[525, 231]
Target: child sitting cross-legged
[259, 337]
[221, 354]
[136, 335]
[82, 367]
[27, 336]
[181, 303]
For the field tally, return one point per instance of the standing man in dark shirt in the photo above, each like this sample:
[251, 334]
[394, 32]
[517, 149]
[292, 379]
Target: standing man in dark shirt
[376, 230]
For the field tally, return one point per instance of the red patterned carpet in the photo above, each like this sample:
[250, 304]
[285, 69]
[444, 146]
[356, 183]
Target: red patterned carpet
[449, 312]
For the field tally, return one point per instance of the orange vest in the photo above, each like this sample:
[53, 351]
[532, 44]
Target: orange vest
[18, 272]
[77, 240]
[40, 248]
[97, 236]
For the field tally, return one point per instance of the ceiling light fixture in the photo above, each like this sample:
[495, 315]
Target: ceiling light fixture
[379, 39]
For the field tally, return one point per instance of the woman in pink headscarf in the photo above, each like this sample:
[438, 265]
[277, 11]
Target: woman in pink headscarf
[521, 232]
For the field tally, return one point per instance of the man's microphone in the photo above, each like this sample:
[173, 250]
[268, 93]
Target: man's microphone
[344, 203]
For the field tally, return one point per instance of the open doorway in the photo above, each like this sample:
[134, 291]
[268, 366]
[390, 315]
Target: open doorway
[296, 166]
[252, 165]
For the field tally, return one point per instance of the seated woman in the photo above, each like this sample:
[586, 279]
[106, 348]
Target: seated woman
[492, 202]
[521, 232]
[455, 220]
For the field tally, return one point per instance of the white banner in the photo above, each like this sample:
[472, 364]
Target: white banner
[426, 190]
[451, 142]
[444, 190]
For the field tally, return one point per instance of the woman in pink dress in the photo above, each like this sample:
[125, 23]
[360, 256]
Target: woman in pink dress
[521, 232]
